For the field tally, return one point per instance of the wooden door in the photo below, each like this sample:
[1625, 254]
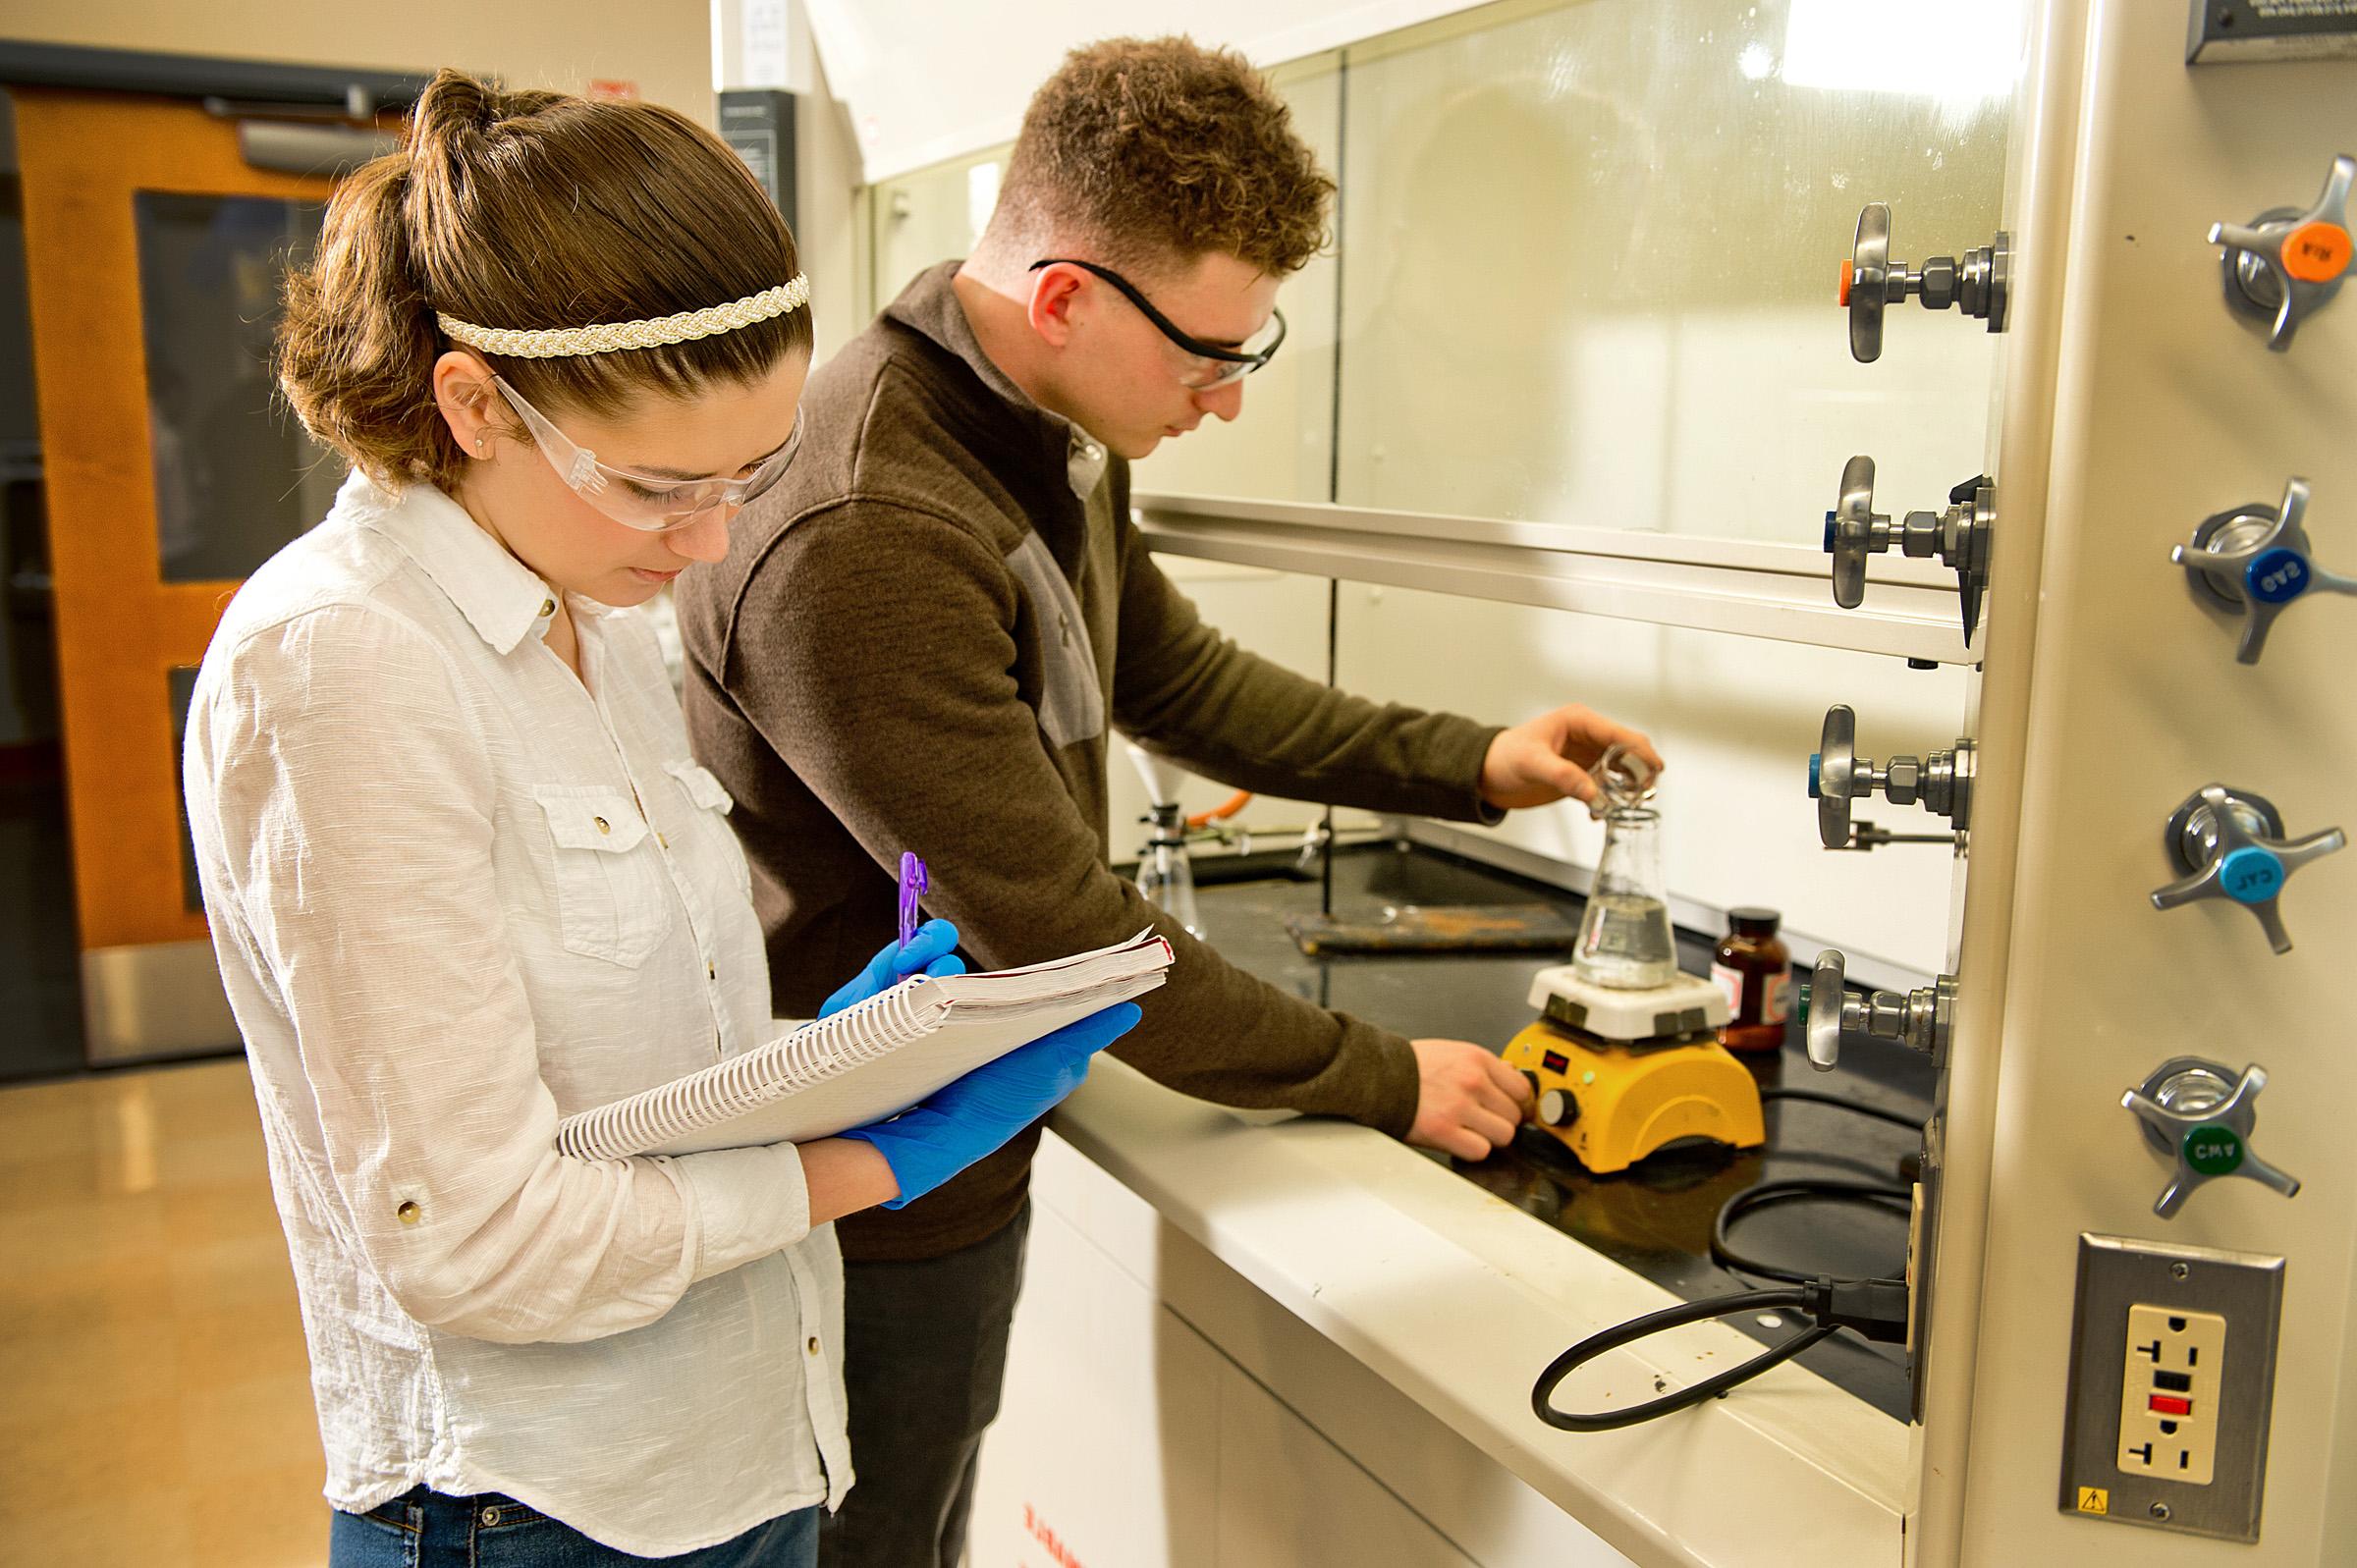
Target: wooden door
[154, 255]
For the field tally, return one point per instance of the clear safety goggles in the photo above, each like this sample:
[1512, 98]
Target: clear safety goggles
[649, 503]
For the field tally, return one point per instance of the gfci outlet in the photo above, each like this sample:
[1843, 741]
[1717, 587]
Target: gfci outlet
[2172, 1381]
[2168, 1402]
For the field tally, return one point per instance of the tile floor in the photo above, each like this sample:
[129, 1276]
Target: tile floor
[157, 1405]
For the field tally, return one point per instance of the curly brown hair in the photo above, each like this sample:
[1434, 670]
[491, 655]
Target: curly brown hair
[526, 209]
[1159, 151]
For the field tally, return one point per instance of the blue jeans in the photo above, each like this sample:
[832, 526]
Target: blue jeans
[422, 1529]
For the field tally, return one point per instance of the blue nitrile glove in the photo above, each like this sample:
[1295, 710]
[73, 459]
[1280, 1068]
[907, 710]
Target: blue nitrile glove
[930, 951]
[937, 1137]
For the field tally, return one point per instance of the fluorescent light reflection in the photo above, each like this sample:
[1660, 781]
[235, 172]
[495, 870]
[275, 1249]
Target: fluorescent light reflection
[1960, 54]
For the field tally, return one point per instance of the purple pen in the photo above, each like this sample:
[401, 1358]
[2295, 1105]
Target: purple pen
[915, 882]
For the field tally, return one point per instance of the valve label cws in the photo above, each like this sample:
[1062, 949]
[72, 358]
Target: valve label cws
[2212, 1150]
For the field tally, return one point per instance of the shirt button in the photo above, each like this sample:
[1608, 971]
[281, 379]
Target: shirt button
[548, 607]
[409, 1214]
[662, 843]
[602, 826]
[813, 1346]
[711, 973]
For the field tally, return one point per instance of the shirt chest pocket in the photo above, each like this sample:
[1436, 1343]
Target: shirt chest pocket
[713, 802]
[613, 898]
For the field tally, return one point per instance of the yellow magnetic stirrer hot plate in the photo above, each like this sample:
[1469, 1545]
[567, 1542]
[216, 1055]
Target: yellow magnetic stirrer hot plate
[1621, 1074]
[1625, 1056]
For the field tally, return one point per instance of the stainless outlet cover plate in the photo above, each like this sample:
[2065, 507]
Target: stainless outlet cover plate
[2116, 1273]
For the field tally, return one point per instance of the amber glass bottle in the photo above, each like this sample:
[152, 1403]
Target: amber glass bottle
[1754, 969]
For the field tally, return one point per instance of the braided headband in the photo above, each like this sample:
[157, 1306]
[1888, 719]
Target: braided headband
[558, 343]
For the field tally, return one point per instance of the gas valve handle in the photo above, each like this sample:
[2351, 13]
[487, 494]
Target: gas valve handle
[2228, 843]
[1870, 280]
[2255, 561]
[1853, 531]
[1823, 1003]
[2200, 1115]
[1958, 537]
[1920, 1019]
[1832, 775]
[1941, 781]
[2284, 264]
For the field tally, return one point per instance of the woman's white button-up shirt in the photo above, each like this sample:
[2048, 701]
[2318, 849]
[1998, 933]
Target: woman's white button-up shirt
[459, 893]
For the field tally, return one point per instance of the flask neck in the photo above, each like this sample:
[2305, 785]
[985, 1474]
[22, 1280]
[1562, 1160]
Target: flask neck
[1631, 862]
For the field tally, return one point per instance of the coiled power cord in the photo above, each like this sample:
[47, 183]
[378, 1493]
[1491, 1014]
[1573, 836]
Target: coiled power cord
[1876, 1309]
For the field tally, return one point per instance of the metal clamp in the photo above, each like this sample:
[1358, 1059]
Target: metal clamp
[1922, 1019]
[1870, 280]
[2285, 264]
[2229, 844]
[1940, 780]
[1958, 536]
[2254, 560]
[2200, 1115]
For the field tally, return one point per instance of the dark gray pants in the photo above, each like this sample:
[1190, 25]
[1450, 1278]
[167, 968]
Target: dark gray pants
[924, 1350]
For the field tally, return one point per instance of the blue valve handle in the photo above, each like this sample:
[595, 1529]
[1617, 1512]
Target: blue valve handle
[2228, 844]
[2277, 577]
[2257, 561]
[2251, 875]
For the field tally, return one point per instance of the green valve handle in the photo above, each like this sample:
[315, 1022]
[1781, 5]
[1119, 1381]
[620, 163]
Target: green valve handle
[2199, 1115]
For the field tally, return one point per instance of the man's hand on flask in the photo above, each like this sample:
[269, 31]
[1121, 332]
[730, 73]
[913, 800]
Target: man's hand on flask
[1547, 759]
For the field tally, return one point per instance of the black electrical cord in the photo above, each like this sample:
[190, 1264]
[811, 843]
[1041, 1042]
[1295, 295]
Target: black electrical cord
[1818, 1096]
[1766, 1193]
[1873, 1308]
[1541, 1393]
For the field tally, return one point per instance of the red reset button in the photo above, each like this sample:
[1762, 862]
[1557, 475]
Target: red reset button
[2170, 1405]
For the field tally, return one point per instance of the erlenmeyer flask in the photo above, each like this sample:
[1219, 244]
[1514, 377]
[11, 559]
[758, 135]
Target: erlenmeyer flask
[1624, 940]
[1163, 874]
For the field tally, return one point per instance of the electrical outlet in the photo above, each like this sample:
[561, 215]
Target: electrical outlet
[2172, 1381]
[2168, 1395]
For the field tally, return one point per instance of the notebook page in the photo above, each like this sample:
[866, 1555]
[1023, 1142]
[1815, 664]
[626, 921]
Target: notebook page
[891, 1084]
[869, 1062]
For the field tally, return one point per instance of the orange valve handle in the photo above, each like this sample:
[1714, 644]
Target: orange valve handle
[1849, 271]
[2316, 253]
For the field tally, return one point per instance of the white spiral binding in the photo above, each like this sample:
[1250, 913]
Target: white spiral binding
[725, 1090]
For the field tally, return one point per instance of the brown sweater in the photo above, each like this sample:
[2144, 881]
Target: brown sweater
[918, 641]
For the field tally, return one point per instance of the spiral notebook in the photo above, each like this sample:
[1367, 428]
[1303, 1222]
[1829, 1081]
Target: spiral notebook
[869, 1062]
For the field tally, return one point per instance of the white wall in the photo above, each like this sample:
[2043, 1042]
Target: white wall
[1736, 717]
[662, 45]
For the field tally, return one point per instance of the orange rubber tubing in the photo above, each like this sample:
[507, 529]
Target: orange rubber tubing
[1223, 811]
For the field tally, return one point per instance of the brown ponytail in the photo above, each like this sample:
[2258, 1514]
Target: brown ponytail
[524, 210]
